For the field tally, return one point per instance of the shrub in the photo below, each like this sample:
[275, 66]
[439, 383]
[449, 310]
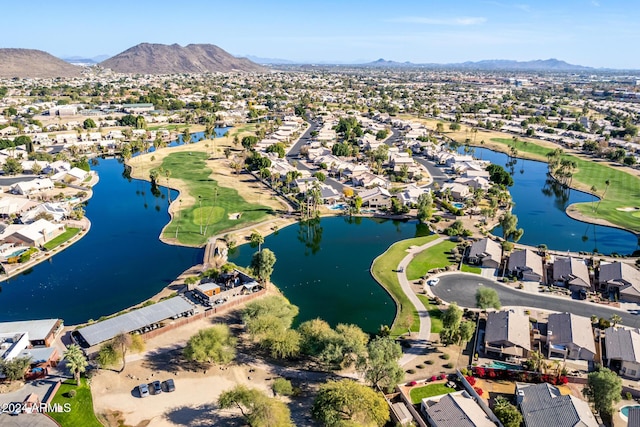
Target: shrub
[412, 383]
[420, 366]
[411, 371]
[71, 393]
[464, 371]
[478, 390]
[443, 376]
[448, 365]
[429, 362]
[445, 356]
[471, 380]
[628, 396]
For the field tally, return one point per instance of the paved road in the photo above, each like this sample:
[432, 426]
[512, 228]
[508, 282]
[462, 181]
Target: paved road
[293, 156]
[461, 288]
[420, 342]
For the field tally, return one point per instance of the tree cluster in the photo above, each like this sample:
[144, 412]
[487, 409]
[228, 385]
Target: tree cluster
[454, 329]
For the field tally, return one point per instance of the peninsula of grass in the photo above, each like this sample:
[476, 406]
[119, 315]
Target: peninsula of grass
[65, 236]
[81, 405]
[384, 271]
[621, 193]
[435, 314]
[434, 257]
[419, 393]
[213, 204]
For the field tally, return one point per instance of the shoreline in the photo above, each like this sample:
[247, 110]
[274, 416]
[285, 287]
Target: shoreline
[571, 210]
[42, 255]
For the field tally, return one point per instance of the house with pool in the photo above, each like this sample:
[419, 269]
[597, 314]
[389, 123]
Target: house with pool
[507, 334]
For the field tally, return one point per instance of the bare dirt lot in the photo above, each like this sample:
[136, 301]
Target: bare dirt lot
[193, 403]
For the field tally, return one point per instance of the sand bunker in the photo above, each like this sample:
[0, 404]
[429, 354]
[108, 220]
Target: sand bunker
[628, 209]
[234, 216]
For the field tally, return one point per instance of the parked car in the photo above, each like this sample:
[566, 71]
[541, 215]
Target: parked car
[143, 389]
[168, 385]
[155, 387]
[433, 282]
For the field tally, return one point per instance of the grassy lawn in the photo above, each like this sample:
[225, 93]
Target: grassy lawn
[212, 214]
[57, 241]
[168, 127]
[384, 271]
[621, 193]
[434, 313]
[434, 257]
[470, 269]
[419, 393]
[81, 413]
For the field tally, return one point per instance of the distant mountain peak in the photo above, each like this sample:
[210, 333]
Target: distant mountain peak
[154, 58]
[31, 63]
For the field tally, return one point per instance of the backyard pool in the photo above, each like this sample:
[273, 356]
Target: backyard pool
[496, 364]
[625, 410]
[338, 207]
[458, 205]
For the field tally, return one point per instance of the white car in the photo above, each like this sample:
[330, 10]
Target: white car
[433, 282]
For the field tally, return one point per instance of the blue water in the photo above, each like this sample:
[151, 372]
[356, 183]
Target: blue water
[324, 269]
[502, 365]
[625, 409]
[540, 208]
[119, 263]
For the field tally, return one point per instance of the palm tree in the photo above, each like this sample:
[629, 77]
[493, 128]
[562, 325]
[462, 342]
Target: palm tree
[615, 319]
[537, 360]
[122, 342]
[76, 361]
[594, 192]
[186, 136]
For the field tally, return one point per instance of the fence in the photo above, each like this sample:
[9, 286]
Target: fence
[208, 313]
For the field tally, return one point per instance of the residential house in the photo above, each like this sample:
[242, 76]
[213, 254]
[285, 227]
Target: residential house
[36, 233]
[485, 252]
[328, 194]
[457, 191]
[409, 196]
[623, 349]
[542, 405]
[507, 334]
[570, 336]
[15, 206]
[621, 279]
[26, 188]
[571, 272]
[305, 184]
[526, 264]
[56, 211]
[368, 180]
[376, 197]
[457, 409]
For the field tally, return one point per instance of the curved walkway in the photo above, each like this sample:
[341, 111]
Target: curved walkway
[419, 343]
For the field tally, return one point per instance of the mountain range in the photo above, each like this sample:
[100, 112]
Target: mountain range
[150, 58]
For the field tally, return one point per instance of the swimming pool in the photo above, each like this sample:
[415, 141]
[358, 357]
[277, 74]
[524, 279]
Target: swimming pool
[496, 364]
[337, 207]
[625, 410]
[458, 205]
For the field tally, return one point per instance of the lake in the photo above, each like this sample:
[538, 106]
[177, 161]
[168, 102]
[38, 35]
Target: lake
[324, 268]
[540, 205]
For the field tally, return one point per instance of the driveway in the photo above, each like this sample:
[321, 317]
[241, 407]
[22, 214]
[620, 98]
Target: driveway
[461, 288]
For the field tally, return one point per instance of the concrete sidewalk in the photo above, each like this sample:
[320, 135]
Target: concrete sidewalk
[418, 343]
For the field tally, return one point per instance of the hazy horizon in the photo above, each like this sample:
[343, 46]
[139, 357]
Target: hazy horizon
[581, 32]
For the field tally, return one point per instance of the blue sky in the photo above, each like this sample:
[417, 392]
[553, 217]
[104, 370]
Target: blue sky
[598, 33]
